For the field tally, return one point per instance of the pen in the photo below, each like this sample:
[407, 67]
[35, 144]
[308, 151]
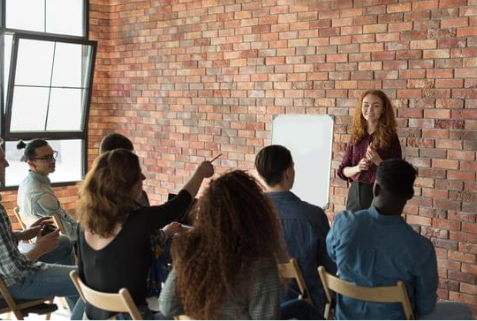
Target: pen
[216, 157]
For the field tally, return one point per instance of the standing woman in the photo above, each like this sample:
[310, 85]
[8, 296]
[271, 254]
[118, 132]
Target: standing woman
[373, 139]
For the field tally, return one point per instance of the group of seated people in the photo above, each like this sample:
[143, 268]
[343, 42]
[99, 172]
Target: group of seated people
[226, 265]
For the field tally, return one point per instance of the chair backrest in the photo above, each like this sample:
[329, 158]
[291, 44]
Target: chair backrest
[16, 211]
[113, 302]
[59, 223]
[381, 294]
[291, 270]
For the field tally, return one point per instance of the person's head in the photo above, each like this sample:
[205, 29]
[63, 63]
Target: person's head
[235, 226]
[39, 156]
[114, 141]
[109, 191]
[275, 165]
[394, 184]
[374, 107]
[3, 162]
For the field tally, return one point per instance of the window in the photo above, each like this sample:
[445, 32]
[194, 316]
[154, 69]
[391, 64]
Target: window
[46, 71]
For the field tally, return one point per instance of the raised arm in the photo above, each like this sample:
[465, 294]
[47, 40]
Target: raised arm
[204, 170]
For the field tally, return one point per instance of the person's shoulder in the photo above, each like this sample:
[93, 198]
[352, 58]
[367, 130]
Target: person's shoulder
[348, 218]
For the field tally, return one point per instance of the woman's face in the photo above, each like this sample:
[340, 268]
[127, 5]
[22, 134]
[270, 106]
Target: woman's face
[372, 108]
[137, 188]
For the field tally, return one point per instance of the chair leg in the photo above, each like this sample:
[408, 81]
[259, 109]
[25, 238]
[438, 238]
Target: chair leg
[63, 303]
[18, 314]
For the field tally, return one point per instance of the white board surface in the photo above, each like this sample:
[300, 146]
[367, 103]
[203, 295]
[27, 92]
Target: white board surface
[309, 139]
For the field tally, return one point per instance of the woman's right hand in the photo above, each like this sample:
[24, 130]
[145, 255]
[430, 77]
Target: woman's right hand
[363, 165]
[205, 169]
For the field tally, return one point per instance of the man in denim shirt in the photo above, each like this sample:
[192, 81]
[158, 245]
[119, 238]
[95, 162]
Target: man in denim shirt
[304, 225]
[36, 198]
[376, 247]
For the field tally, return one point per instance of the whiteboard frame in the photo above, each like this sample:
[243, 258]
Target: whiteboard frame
[299, 168]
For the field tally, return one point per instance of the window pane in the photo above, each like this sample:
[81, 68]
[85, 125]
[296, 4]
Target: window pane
[7, 42]
[71, 65]
[65, 17]
[34, 62]
[29, 109]
[25, 15]
[68, 163]
[66, 110]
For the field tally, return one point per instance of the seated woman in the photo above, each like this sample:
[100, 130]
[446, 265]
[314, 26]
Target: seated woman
[225, 267]
[114, 238]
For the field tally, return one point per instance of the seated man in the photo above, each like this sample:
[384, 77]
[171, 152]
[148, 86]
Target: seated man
[376, 247]
[304, 225]
[25, 277]
[36, 198]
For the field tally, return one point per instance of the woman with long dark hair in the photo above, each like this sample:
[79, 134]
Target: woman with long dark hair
[373, 139]
[225, 267]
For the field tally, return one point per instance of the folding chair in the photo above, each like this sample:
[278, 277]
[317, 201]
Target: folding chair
[113, 302]
[381, 294]
[291, 270]
[16, 211]
[21, 308]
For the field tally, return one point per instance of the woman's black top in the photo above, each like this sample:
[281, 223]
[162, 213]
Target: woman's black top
[125, 262]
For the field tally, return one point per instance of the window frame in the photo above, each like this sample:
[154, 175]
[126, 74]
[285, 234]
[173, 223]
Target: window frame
[6, 105]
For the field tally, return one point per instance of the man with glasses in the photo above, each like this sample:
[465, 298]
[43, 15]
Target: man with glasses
[36, 198]
[24, 274]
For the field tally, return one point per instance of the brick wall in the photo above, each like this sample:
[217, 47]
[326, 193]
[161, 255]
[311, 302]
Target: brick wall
[186, 79]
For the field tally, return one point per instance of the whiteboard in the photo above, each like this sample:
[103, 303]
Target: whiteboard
[309, 139]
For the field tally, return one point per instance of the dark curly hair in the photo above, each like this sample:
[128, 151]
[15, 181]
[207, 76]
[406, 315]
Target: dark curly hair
[235, 226]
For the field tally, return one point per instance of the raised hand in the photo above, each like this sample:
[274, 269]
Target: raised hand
[206, 169]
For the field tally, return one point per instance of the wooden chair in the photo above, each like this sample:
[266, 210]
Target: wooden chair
[381, 294]
[16, 211]
[183, 317]
[59, 224]
[113, 302]
[19, 307]
[291, 270]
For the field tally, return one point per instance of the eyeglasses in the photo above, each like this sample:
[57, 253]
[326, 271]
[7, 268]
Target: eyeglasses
[49, 157]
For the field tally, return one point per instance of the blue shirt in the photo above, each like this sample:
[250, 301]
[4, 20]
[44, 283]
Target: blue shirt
[304, 228]
[371, 249]
[36, 199]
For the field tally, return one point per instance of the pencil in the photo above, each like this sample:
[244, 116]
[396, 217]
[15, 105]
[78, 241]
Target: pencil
[216, 157]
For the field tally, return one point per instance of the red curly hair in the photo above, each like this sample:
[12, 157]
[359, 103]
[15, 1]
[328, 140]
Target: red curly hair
[386, 128]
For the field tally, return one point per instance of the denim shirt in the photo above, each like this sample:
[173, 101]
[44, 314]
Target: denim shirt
[371, 249]
[36, 199]
[304, 228]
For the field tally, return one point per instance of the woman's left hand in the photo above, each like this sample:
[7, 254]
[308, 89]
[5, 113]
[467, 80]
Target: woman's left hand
[373, 156]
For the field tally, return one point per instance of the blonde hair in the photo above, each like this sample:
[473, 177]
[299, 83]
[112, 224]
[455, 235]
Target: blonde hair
[386, 128]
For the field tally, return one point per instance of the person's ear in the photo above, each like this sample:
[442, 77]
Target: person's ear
[31, 164]
[377, 189]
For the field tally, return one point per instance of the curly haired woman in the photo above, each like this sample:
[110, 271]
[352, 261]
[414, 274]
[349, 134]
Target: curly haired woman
[225, 267]
[373, 139]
